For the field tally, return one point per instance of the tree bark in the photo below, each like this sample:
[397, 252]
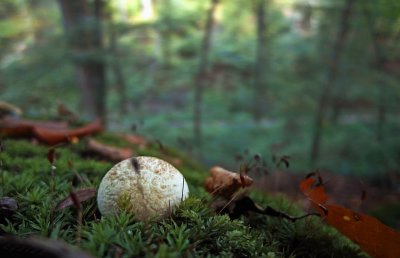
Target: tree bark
[378, 64]
[82, 25]
[165, 33]
[117, 69]
[202, 74]
[344, 28]
[260, 82]
[329, 85]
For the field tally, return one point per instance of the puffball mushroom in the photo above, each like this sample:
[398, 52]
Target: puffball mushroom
[146, 186]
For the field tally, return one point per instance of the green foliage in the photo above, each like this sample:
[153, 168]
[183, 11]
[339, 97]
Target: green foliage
[191, 230]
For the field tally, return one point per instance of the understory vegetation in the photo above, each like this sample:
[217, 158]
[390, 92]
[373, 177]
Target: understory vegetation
[192, 230]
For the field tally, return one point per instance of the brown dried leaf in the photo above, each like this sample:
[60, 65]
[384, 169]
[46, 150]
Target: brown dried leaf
[13, 127]
[79, 196]
[53, 137]
[225, 183]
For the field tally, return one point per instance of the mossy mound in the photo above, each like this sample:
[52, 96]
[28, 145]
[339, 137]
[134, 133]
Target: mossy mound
[192, 230]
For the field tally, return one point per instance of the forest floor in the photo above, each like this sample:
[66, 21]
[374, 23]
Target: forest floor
[192, 230]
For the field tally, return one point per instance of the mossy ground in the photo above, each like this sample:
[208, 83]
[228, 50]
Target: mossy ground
[192, 230]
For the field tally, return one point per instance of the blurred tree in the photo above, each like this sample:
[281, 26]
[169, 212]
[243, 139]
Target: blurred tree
[201, 75]
[332, 72]
[260, 82]
[378, 64]
[166, 29]
[115, 64]
[82, 25]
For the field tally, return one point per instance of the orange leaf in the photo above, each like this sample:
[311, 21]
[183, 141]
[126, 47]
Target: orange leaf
[375, 238]
[316, 193]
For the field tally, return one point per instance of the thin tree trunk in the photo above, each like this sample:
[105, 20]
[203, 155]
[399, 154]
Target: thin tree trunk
[82, 25]
[336, 108]
[117, 69]
[202, 74]
[165, 33]
[378, 63]
[329, 85]
[260, 82]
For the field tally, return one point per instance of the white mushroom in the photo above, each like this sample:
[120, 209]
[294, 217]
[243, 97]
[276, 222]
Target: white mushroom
[146, 186]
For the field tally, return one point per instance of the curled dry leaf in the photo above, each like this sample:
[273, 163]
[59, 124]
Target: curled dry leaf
[76, 197]
[108, 152]
[51, 133]
[14, 127]
[53, 137]
[375, 238]
[225, 183]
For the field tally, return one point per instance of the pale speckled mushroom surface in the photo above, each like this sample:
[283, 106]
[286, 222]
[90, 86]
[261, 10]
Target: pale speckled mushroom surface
[147, 186]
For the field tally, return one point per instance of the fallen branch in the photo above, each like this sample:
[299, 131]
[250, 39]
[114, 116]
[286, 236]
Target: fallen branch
[108, 152]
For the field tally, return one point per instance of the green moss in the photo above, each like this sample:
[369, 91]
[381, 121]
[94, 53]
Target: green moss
[192, 230]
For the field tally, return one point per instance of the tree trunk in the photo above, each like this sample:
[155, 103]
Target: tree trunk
[82, 25]
[202, 74]
[344, 28]
[165, 33]
[378, 63]
[260, 82]
[117, 69]
[329, 85]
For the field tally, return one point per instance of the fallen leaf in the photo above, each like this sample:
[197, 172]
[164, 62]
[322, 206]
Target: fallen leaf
[374, 237]
[75, 200]
[315, 192]
[225, 183]
[79, 195]
[13, 127]
[108, 152]
[53, 137]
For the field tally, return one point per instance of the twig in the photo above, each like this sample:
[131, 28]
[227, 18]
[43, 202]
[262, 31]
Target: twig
[275, 213]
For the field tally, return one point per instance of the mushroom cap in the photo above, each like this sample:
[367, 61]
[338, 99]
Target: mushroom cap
[146, 186]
